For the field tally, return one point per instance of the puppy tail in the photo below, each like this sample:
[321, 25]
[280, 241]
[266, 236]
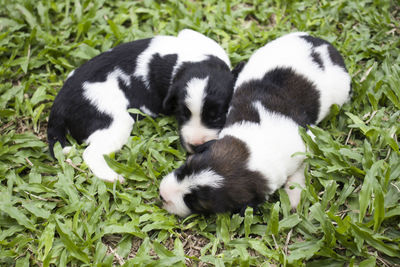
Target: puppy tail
[56, 131]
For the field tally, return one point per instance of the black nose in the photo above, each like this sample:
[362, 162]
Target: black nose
[162, 199]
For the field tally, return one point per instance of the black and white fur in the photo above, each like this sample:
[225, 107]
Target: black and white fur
[188, 76]
[290, 82]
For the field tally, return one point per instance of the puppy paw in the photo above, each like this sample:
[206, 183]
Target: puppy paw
[113, 178]
[121, 179]
[294, 195]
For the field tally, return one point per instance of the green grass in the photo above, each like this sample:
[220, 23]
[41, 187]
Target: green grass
[54, 212]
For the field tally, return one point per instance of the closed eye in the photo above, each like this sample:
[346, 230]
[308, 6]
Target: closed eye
[212, 115]
[215, 117]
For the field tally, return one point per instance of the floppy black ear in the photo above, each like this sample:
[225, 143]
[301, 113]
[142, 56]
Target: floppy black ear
[170, 101]
[238, 68]
[198, 200]
[203, 147]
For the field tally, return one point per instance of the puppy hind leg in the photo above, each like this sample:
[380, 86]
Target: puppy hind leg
[104, 142]
[293, 191]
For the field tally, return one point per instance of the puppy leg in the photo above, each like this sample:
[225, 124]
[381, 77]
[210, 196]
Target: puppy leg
[105, 141]
[295, 192]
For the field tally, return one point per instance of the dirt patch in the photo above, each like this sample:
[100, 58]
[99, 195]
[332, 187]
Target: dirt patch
[192, 245]
[23, 125]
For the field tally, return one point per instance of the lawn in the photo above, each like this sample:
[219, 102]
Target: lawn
[55, 212]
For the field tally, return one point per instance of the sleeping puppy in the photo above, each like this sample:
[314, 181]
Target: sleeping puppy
[187, 76]
[290, 82]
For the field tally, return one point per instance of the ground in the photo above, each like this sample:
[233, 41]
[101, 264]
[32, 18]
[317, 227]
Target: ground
[55, 212]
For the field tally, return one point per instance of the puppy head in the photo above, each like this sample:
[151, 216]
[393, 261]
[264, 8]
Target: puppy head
[201, 93]
[183, 193]
[215, 179]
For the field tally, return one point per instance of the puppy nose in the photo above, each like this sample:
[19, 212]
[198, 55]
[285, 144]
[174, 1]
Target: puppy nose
[198, 140]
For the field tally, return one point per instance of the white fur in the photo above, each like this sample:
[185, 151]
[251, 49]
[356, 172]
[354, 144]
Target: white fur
[108, 98]
[297, 181]
[147, 111]
[182, 45]
[193, 131]
[173, 191]
[204, 44]
[333, 82]
[195, 93]
[271, 143]
[70, 74]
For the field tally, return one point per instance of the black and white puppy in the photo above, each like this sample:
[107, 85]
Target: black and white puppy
[290, 82]
[188, 76]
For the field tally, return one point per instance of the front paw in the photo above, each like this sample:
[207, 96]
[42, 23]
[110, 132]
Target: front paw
[294, 194]
[113, 178]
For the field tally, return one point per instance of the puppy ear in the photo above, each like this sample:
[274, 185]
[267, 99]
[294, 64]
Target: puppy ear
[203, 147]
[238, 68]
[170, 101]
[198, 201]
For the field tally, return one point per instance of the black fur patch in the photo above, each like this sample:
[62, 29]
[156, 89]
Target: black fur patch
[281, 90]
[182, 172]
[317, 59]
[242, 108]
[315, 42]
[242, 187]
[160, 76]
[334, 55]
[122, 56]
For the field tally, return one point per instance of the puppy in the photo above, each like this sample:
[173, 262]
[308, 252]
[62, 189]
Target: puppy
[187, 76]
[290, 82]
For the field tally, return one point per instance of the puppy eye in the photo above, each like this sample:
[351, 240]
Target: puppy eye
[216, 120]
[213, 115]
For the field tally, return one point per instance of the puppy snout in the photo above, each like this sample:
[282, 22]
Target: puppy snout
[198, 141]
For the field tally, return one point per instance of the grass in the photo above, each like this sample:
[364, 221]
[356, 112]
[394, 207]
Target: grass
[54, 212]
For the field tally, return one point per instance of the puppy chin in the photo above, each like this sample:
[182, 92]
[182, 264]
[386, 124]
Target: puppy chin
[193, 137]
